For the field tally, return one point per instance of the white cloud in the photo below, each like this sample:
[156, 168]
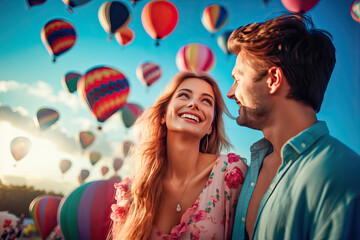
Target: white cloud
[11, 85]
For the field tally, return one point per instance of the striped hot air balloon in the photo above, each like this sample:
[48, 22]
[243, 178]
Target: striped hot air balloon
[43, 210]
[299, 6]
[113, 16]
[195, 57]
[105, 90]
[46, 117]
[355, 10]
[148, 73]
[58, 36]
[125, 36]
[70, 80]
[214, 17]
[85, 138]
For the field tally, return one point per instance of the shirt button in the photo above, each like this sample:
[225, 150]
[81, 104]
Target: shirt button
[252, 184]
[272, 186]
[243, 219]
[303, 145]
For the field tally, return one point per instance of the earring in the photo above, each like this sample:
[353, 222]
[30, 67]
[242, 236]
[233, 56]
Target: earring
[207, 143]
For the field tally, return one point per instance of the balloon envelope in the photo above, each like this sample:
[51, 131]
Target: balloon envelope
[355, 10]
[105, 90]
[125, 36]
[58, 36]
[84, 174]
[195, 57]
[117, 164]
[126, 146]
[34, 3]
[159, 18]
[46, 117]
[86, 138]
[7, 220]
[114, 16]
[104, 170]
[75, 3]
[222, 41]
[94, 157]
[299, 6]
[85, 212]
[214, 17]
[70, 80]
[129, 113]
[20, 147]
[43, 210]
[65, 165]
[148, 73]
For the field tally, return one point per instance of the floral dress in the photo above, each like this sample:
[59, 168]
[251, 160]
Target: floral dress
[212, 214]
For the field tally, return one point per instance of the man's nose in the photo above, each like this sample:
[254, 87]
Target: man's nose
[231, 93]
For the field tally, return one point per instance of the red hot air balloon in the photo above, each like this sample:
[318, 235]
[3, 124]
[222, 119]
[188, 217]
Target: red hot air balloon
[74, 3]
[43, 210]
[299, 6]
[125, 36]
[195, 57]
[85, 213]
[214, 17]
[105, 90]
[58, 36]
[31, 3]
[104, 170]
[159, 19]
[85, 138]
[148, 73]
[355, 10]
[113, 16]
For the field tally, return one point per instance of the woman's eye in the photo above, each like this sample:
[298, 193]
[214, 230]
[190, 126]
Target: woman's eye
[207, 101]
[183, 95]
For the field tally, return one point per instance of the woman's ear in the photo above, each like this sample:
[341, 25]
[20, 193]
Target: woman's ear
[275, 80]
[209, 131]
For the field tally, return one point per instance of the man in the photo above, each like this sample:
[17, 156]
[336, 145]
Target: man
[302, 183]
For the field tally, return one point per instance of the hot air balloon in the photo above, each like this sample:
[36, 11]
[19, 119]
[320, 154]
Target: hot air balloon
[7, 220]
[84, 174]
[20, 146]
[31, 3]
[85, 138]
[129, 113]
[70, 80]
[58, 36]
[113, 16]
[94, 157]
[85, 213]
[222, 41]
[214, 17]
[65, 165]
[134, 2]
[46, 117]
[299, 6]
[125, 36]
[125, 147]
[104, 170]
[355, 10]
[195, 57]
[105, 90]
[117, 164]
[74, 3]
[43, 210]
[148, 73]
[159, 19]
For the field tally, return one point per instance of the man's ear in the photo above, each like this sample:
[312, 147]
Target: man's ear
[275, 80]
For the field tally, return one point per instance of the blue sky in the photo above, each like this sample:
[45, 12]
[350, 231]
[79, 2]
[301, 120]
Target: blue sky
[29, 80]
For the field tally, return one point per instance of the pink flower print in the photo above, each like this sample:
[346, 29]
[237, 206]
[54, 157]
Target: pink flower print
[200, 215]
[195, 235]
[232, 157]
[214, 237]
[208, 183]
[213, 199]
[234, 178]
[121, 189]
[119, 211]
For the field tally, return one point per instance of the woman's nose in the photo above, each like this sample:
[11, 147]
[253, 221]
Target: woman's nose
[193, 104]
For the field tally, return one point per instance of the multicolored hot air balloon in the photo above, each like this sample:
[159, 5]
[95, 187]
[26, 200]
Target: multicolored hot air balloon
[46, 117]
[85, 138]
[117, 164]
[105, 90]
[355, 10]
[159, 19]
[85, 213]
[70, 80]
[64, 165]
[104, 170]
[43, 210]
[129, 113]
[214, 17]
[20, 147]
[222, 41]
[125, 36]
[94, 157]
[148, 73]
[195, 57]
[299, 6]
[31, 3]
[58, 36]
[74, 3]
[113, 16]
[84, 174]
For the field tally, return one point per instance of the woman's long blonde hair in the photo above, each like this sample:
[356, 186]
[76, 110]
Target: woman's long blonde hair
[146, 189]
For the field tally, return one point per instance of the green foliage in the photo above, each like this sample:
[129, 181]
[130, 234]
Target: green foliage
[17, 199]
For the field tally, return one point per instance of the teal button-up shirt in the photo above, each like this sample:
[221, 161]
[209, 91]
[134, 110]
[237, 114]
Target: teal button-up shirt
[314, 195]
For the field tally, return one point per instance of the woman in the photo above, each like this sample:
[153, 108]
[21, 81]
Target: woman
[182, 187]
